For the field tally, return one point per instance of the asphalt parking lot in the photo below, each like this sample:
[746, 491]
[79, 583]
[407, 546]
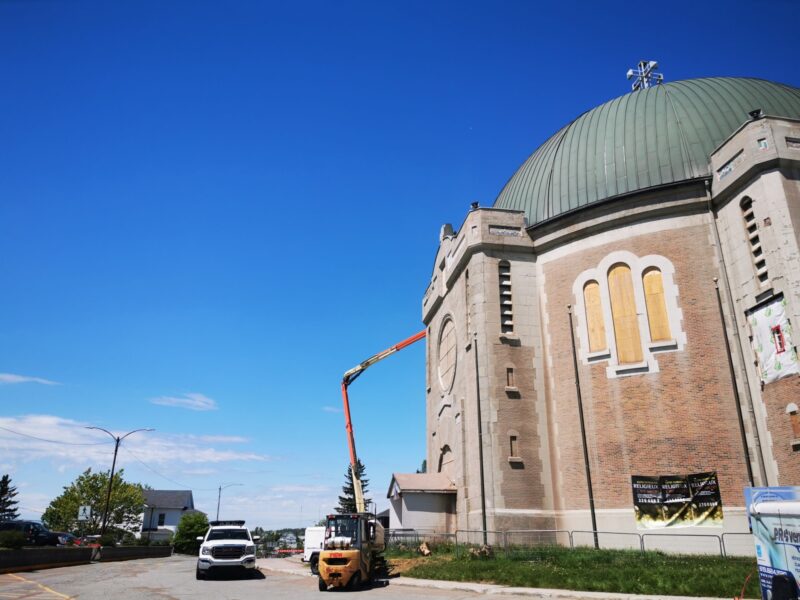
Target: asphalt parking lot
[174, 578]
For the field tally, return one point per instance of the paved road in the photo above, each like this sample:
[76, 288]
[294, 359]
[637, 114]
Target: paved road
[173, 578]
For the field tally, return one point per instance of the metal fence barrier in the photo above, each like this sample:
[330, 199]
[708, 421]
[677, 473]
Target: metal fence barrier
[738, 544]
[679, 547]
[519, 540]
[516, 542]
[476, 538]
[613, 540]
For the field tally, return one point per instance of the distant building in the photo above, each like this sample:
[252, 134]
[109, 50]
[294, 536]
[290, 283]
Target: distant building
[631, 216]
[163, 511]
[422, 501]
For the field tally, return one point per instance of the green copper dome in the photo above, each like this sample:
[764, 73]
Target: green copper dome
[660, 135]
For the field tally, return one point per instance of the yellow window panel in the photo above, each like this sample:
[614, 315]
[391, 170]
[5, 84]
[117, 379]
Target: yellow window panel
[656, 306]
[623, 310]
[594, 316]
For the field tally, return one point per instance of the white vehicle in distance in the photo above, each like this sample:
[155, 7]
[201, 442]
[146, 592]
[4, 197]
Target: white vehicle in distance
[226, 545]
[312, 546]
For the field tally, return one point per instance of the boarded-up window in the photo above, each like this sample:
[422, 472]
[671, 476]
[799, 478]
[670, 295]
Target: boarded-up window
[594, 316]
[656, 306]
[623, 310]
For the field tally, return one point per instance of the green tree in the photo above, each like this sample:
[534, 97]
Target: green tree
[424, 467]
[347, 502]
[89, 489]
[8, 506]
[191, 526]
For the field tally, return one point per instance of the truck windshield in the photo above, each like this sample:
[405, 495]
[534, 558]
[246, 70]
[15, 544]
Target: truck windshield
[346, 527]
[227, 534]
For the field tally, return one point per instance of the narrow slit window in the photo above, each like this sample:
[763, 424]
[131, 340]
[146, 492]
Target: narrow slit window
[594, 317]
[506, 304]
[513, 445]
[623, 310]
[753, 237]
[657, 316]
[510, 377]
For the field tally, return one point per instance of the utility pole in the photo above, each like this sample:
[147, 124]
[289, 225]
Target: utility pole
[219, 494]
[583, 428]
[117, 441]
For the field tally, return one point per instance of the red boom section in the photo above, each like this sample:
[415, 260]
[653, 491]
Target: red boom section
[351, 376]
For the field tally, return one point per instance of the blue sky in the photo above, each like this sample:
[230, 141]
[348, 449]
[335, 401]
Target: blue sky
[209, 211]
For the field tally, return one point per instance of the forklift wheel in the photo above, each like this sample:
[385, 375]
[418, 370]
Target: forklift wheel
[355, 581]
[323, 587]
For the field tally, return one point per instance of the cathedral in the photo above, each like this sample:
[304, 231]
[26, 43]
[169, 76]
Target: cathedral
[623, 310]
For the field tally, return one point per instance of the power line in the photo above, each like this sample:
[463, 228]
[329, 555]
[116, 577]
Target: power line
[178, 483]
[33, 437]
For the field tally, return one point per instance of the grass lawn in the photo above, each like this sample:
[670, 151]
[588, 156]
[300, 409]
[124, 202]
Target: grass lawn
[591, 570]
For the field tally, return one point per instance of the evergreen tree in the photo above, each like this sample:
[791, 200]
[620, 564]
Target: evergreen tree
[347, 502]
[8, 506]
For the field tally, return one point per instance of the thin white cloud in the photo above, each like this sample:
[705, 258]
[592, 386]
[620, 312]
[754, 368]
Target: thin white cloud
[11, 378]
[301, 489]
[188, 401]
[331, 409]
[220, 439]
[153, 448]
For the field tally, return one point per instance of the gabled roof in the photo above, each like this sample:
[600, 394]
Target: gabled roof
[430, 483]
[181, 499]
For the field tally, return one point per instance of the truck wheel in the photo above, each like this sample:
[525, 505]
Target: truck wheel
[199, 574]
[323, 587]
[314, 564]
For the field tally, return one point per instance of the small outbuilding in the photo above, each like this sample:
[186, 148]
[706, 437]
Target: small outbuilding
[422, 501]
[163, 511]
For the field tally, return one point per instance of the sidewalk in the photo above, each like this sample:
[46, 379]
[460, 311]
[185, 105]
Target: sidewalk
[293, 566]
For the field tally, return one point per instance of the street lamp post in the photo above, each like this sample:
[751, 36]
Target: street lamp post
[117, 441]
[219, 494]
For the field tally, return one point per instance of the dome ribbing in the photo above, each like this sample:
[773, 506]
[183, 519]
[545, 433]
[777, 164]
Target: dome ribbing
[657, 136]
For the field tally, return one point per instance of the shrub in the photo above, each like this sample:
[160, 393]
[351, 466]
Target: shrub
[14, 540]
[192, 525]
[107, 539]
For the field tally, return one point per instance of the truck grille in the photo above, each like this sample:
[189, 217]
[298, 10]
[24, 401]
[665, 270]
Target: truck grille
[227, 552]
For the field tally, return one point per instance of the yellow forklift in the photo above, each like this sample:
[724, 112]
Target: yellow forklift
[352, 554]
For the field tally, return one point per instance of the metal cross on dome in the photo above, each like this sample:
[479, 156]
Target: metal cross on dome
[645, 75]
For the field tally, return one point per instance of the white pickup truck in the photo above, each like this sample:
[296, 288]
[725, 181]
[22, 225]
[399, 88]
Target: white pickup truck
[226, 545]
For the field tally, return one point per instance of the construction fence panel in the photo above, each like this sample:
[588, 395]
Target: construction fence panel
[738, 544]
[684, 543]
[521, 541]
[467, 539]
[616, 540]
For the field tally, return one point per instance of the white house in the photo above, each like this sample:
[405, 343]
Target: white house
[422, 501]
[163, 511]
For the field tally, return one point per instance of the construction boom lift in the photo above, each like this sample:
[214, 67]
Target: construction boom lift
[354, 543]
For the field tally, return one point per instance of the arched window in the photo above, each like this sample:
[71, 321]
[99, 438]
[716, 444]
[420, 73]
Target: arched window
[656, 305]
[623, 309]
[594, 316]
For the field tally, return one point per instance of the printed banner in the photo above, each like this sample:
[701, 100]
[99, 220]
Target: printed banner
[676, 501]
[774, 517]
[772, 341]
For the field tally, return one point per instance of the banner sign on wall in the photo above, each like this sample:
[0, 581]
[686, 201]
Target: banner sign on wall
[676, 501]
[772, 341]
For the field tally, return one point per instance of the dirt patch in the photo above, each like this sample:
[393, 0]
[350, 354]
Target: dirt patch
[398, 566]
